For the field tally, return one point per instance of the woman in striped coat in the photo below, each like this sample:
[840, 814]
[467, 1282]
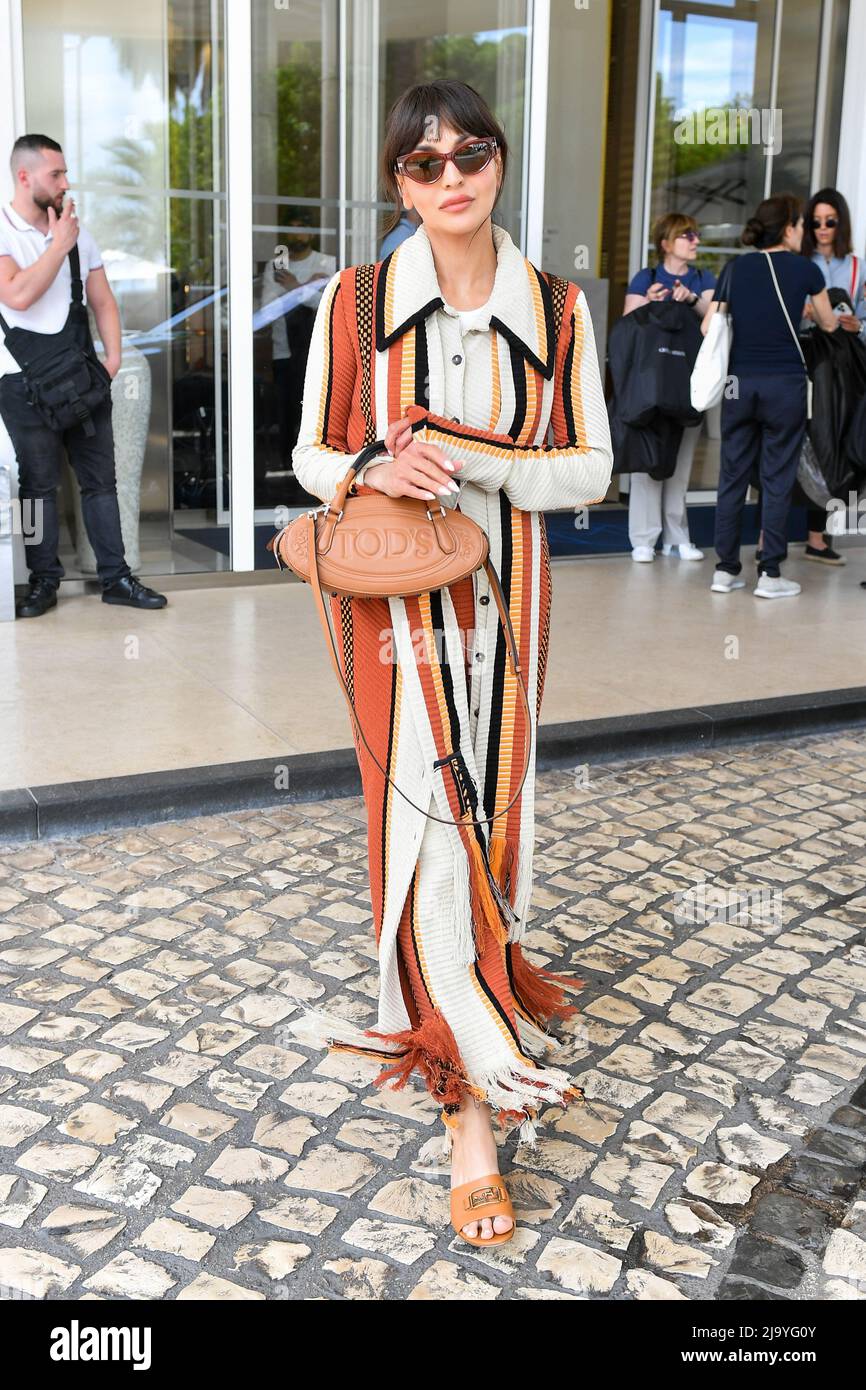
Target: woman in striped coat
[464, 358]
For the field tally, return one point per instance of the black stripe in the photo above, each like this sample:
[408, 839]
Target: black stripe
[387, 792]
[518, 380]
[467, 798]
[498, 692]
[499, 1009]
[329, 368]
[422, 368]
[571, 439]
[438, 619]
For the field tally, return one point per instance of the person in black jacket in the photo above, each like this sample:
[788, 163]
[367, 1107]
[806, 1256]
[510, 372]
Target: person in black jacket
[657, 506]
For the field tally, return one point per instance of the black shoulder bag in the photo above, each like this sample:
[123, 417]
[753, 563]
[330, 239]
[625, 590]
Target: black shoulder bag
[65, 379]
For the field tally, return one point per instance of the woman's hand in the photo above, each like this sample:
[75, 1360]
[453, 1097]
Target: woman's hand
[417, 470]
[657, 291]
[398, 436]
[680, 292]
[823, 312]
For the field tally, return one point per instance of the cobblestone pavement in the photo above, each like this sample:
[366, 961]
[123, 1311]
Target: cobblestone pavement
[166, 1133]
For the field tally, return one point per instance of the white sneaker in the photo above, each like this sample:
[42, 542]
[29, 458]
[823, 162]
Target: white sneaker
[686, 551]
[775, 587]
[644, 553]
[723, 582]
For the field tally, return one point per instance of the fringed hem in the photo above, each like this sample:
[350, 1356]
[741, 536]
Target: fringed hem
[512, 1093]
[432, 1049]
[539, 993]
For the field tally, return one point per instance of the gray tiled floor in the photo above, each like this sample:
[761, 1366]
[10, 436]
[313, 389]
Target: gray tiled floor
[165, 1131]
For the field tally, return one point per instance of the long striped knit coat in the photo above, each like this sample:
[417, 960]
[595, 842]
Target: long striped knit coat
[520, 404]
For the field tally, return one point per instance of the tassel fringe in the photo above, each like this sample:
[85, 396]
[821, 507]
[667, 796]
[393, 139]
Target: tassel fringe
[500, 854]
[538, 991]
[486, 910]
[322, 1029]
[432, 1050]
[533, 1038]
[512, 1093]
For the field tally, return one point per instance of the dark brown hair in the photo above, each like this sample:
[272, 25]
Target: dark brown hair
[669, 227]
[772, 216]
[31, 144]
[842, 240]
[455, 104]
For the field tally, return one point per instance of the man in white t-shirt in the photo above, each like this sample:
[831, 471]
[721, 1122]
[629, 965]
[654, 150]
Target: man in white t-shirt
[37, 232]
[292, 327]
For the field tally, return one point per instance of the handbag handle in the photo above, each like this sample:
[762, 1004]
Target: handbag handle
[513, 657]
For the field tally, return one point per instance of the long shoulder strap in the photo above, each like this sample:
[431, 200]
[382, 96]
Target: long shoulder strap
[75, 269]
[513, 658]
[784, 306]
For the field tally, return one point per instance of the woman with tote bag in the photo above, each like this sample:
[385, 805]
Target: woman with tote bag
[764, 413]
[459, 354]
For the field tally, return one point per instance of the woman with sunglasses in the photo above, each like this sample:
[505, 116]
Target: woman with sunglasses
[827, 242]
[763, 421]
[462, 356]
[657, 507]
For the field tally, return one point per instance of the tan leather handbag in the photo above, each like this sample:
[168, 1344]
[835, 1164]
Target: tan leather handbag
[373, 546]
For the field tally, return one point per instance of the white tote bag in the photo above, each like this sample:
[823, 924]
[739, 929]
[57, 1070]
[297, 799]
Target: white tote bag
[710, 371]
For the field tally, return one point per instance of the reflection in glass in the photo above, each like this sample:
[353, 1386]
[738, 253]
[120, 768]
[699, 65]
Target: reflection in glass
[133, 94]
[711, 64]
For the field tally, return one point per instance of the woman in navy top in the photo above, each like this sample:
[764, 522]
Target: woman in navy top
[658, 506]
[763, 417]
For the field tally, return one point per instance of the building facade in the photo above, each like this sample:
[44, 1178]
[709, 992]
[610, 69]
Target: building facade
[225, 152]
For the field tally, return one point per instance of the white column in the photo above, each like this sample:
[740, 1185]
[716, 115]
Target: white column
[11, 126]
[536, 143]
[239, 185]
[851, 172]
[11, 88]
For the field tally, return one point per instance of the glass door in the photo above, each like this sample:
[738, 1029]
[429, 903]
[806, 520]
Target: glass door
[324, 76]
[132, 93]
[712, 62]
[734, 109]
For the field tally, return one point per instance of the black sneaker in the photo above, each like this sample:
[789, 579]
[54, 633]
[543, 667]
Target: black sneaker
[40, 596]
[133, 593]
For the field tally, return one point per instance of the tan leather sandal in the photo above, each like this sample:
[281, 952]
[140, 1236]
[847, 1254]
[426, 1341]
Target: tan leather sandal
[482, 1197]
